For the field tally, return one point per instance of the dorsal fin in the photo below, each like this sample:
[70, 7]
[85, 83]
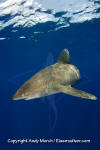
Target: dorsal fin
[64, 57]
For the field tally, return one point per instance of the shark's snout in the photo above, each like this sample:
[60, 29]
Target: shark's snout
[14, 97]
[18, 96]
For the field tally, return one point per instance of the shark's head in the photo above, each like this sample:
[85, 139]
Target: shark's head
[18, 95]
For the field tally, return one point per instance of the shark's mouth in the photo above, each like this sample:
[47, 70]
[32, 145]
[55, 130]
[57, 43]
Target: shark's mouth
[40, 94]
[44, 93]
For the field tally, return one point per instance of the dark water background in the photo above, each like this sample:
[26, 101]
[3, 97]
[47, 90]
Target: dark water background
[21, 58]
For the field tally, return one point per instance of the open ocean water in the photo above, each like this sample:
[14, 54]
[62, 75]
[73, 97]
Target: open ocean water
[32, 35]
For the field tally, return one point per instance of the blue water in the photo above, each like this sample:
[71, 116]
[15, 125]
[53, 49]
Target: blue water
[57, 116]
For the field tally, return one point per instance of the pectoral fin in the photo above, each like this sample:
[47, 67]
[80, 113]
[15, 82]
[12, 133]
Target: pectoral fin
[72, 91]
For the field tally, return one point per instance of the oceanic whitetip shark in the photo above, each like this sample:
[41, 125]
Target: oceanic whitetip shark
[59, 77]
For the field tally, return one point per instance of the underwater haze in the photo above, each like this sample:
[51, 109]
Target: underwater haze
[32, 35]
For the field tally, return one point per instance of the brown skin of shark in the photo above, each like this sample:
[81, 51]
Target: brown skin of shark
[57, 77]
[53, 79]
[49, 77]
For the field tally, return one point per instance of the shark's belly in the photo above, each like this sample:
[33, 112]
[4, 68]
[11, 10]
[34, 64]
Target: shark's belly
[43, 93]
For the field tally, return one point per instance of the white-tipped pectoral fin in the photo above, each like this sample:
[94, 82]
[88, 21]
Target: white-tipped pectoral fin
[72, 91]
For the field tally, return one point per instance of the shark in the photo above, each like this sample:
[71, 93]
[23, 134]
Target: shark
[57, 78]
